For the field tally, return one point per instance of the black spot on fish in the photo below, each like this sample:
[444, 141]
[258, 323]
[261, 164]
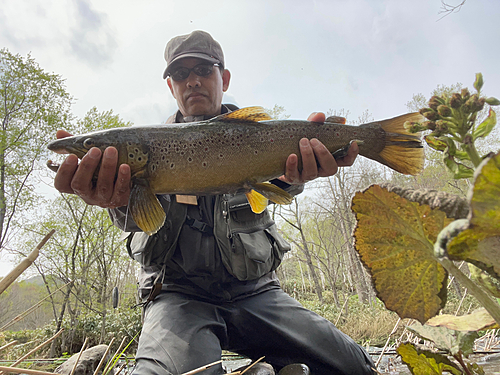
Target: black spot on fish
[172, 166]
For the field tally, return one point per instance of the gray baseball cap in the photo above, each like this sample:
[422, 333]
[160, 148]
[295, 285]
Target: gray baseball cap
[199, 44]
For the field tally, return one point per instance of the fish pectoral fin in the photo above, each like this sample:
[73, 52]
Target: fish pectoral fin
[145, 208]
[258, 202]
[342, 152]
[249, 114]
[272, 192]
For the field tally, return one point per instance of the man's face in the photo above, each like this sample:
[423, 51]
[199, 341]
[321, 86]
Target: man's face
[199, 96]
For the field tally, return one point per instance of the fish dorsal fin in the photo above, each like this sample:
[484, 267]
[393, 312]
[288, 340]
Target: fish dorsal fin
[336, 120]
[249, 114]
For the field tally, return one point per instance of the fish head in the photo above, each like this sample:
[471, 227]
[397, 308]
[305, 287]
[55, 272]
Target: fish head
[80, 144]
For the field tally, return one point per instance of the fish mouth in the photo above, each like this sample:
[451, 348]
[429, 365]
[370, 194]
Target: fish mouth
[62, 146]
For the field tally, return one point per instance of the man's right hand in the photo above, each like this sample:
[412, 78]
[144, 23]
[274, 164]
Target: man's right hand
[74, 178]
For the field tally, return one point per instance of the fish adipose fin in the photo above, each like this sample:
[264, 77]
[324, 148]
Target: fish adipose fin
[145, 208]
[336, 120]
[249, 114]
[262, 192]
[403, 150]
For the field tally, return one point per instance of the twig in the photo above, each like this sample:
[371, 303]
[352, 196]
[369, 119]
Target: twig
[8, 345]
[17, 370]
[341, 311]
[25, 263]
[121, 368]
[103, 359]
[461, 301]
[110, 363]
[36, 349]
[202, 368]
[30, 310]
[79, 355]
[253, 364]
[387, 342]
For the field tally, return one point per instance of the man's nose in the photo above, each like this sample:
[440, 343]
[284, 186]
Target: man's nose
[193, 80]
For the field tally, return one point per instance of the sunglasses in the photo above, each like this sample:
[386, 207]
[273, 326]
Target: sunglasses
[202, 70]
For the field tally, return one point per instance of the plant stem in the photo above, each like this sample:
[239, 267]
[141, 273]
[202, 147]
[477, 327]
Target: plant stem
[491, 306]
[471, 150]
[460, 360]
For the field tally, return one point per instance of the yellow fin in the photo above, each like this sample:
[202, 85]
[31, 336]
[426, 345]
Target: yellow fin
[251, 114]
[272, 192]
[403, 150]
[396, 124]
[257, 201]
[145, 208]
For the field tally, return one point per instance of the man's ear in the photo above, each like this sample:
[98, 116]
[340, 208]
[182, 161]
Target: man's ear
[226, 77]
[169, 83]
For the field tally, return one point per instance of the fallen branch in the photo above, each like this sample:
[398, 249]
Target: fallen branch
[79, 355]
[8, 345]
[25, 263]
[17, 370]
[103, 359]
[202, 368]
[35, 349]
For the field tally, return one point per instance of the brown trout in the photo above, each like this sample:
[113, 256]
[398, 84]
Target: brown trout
[238, 151]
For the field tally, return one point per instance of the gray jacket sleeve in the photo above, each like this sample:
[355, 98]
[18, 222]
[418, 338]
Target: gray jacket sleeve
[122, 219]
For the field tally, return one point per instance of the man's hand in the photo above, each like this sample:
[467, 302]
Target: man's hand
[74, 178]
[317, 161]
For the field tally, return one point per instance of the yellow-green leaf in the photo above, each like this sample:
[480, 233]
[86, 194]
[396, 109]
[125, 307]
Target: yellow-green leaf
[395, 239]
[425, 363]
[477, 321]
[487, 125]
[436, 143]
[446, 339]
[480, 244]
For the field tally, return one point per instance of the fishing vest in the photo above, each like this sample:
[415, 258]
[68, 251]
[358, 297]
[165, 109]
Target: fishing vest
[249, 243]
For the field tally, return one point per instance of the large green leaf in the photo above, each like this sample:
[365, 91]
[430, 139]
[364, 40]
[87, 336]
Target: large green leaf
[480, 244]
[395, 239]
[446, 339]
[425, 363]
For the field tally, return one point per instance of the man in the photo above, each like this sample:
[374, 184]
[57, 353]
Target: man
[207, 277]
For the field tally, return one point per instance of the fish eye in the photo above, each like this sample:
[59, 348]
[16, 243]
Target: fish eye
[88, 143]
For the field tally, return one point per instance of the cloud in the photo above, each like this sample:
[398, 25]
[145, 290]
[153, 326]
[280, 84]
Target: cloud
[92, 40]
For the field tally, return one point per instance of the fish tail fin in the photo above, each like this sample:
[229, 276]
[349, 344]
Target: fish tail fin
[403, 151]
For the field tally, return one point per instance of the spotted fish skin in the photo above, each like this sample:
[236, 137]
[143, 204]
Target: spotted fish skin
[239, 150]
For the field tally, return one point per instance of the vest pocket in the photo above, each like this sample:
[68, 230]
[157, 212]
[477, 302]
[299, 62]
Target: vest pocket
[251, 246]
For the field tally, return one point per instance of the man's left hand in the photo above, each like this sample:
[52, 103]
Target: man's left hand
[317, 161]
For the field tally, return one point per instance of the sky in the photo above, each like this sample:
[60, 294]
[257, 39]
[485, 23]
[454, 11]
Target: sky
[307, 56]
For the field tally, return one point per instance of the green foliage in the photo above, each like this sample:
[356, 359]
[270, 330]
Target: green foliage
[480, 243]
[451, 117]
[424, 362]
[394, 223]
[34, 104]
